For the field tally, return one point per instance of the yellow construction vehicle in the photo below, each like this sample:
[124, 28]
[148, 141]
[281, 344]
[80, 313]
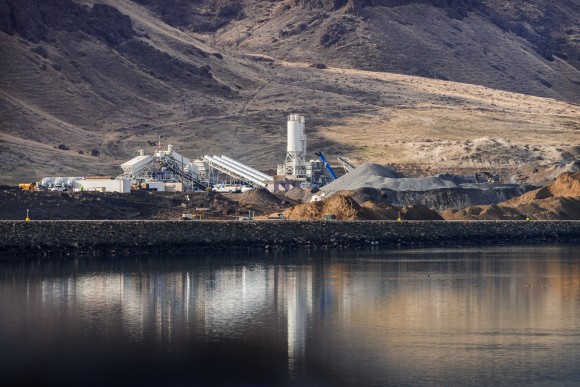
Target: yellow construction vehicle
[27, 186]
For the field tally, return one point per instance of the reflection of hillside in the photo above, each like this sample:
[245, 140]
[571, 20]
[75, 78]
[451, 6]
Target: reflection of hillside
[383, 308]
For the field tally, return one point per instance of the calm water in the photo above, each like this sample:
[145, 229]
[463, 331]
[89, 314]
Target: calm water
[508, 316]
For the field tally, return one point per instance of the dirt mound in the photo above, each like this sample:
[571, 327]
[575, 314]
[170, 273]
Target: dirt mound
[339, 206]
[139, 205]
[257, 197]
[346, 208]
[493, 212]
[559, 200]
[296, 194]
[566, 185]
[385, 211]
[553, 208]
[419, 212]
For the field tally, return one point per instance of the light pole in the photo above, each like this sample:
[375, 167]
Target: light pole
[27, 218]
[182, 172]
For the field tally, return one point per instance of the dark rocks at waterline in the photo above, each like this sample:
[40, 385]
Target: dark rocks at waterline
[70, 237]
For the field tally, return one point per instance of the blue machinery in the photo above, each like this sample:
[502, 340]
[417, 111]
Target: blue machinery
[326, 165]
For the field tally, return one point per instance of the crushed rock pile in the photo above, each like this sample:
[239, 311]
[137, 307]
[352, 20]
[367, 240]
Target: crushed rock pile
[437, 192]
[559, 200]
[257, 197]
[346, 208]
[296, 194]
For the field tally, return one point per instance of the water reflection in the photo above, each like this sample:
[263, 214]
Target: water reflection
[340, 317]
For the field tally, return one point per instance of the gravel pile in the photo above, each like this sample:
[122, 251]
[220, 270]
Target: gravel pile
[381, 177]
[258, 196]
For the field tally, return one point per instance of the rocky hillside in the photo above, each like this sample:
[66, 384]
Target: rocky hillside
[85, 84]
[529, 46]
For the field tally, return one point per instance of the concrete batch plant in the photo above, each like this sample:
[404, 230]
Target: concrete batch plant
[168, 170]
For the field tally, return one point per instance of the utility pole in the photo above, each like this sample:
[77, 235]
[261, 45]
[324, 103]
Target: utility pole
[182, 173]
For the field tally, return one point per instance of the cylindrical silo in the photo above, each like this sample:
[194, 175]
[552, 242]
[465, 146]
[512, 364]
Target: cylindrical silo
[295, 132]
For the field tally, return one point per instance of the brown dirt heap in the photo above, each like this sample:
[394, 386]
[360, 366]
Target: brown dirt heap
[346, 208]
[566, 185]
[341, 207]
[558, 200]
[256, 197]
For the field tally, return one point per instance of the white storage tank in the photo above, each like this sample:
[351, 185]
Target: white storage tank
[296, 137]
[47, 182]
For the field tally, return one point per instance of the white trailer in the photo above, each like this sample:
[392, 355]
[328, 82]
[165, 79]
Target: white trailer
[103, 185]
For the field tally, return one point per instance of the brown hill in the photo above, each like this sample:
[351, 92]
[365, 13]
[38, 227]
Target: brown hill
[528, 46]
[85, 85]
[558, 200]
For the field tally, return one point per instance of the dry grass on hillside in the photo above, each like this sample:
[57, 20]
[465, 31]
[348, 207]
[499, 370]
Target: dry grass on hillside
[87, 97]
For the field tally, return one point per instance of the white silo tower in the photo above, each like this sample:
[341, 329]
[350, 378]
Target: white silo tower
[295, 164]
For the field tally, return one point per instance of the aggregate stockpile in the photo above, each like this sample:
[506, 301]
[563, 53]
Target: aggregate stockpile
[347, 208]
[559, 200]
[384, 185]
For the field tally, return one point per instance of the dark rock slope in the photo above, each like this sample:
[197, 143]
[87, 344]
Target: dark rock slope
[529, 46]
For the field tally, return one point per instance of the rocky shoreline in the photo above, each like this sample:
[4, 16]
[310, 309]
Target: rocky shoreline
[19, 238]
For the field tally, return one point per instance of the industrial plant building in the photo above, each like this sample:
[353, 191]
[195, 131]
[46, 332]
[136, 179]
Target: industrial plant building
[168, 170]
